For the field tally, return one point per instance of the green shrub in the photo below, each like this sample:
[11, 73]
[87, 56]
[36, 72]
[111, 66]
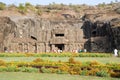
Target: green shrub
[22, 64]
[102, 4]
[28, 69]
[22, 9]
[75, 70]
[2, 68]
[45, 55]
[39, 12]
[2, 63]
[102, 73]
[27, 4]
[55, 55]
[64, 68]
[53, 70]
[2, 6]
[9, 69]
[71, 60]
[93, 71]
[12, 69]
[12, 55]
[49, 70]
[29, 54]
[84, 72]
[61, 72]
[17, 69]
[92, 63]
[113, 66]
[38, 60]
[45, 70]
[30, 7]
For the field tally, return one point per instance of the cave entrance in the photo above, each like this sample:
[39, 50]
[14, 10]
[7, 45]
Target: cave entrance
[60, 46]
[94, 33]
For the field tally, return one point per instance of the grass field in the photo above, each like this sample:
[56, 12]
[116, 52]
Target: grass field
[41, 76]
[82, 59]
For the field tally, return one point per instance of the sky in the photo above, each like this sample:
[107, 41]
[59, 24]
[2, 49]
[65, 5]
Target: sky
[45, 2]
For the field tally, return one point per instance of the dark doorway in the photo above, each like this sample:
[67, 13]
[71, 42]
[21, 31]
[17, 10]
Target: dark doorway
[35, 48]
[5, 48]
[20, 47]
[60, 46]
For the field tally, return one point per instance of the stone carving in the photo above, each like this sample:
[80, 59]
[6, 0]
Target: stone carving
[31, 34]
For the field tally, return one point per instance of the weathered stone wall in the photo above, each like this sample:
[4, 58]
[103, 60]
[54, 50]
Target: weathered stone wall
[31, 34]
[102, 36]
[40, 35]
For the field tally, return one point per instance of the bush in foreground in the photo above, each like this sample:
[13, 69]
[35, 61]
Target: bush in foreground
[92, 68]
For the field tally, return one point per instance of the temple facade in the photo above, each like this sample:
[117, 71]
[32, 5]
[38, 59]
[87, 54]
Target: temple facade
[35, 35]
[40, 35]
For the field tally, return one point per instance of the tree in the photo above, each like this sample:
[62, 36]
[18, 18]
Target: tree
[30, 7]
[39, 12]
[22, 8]
[102, 4]
[2, 6]
[27, 4]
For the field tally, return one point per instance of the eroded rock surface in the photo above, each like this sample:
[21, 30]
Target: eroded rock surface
[34, 34]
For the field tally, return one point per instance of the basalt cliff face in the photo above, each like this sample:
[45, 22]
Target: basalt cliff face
[101, 35]
[98, 32]
[31, 34]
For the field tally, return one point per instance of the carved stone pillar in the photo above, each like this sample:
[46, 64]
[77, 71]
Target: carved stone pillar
[47, 47]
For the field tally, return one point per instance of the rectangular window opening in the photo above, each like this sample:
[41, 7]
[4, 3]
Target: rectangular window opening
[59, 35]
